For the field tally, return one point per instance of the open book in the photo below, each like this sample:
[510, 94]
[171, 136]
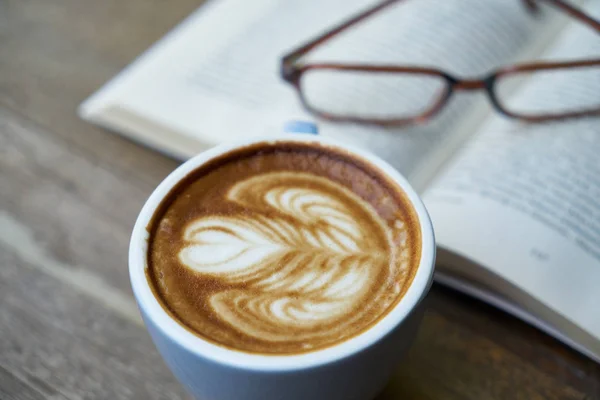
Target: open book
[515, 207]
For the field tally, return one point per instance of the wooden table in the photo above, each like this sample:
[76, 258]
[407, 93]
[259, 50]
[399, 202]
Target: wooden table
[69, 194]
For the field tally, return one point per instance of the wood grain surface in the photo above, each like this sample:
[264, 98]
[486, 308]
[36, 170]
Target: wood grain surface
[69, 194]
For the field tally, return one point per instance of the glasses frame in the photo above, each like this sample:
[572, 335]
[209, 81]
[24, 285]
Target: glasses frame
[292, 71]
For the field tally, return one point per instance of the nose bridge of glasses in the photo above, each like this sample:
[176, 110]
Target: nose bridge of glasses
[469, 84]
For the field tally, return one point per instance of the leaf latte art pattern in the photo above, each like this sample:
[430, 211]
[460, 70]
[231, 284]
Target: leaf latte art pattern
[305, 260]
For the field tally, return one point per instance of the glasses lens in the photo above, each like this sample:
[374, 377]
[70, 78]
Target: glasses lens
[372, 95]
[551, 92]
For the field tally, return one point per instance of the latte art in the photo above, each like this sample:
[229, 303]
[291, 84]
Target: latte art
[309, 264]
[282, 248]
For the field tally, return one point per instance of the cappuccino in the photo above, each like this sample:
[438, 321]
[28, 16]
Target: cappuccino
[282, 248]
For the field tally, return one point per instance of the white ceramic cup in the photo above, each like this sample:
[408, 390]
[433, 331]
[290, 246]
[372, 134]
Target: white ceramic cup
[356, 369]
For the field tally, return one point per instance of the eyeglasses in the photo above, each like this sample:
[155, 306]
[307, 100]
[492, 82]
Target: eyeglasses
[313, 80]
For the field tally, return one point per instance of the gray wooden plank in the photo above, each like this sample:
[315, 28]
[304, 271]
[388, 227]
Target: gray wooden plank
[29, 149]
[56, 53]
[14, 388]
[58, 342]
[21, 241]
[79, 213]
[451, 360]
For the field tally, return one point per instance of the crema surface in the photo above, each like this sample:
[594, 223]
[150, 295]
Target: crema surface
[282, 248]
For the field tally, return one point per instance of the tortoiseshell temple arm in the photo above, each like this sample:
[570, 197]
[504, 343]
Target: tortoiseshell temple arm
[292, 70]
[290, 58]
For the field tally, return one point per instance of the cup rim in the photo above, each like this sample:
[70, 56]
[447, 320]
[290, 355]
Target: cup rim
[265, 362]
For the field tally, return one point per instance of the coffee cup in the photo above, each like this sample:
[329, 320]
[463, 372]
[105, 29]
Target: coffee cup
[355, 369]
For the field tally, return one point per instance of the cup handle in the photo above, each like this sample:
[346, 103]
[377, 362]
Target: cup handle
[304, 127]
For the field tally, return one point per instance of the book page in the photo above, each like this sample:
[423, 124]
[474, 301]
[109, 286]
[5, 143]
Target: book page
[522, 200]
[557, 326]
[216, 77]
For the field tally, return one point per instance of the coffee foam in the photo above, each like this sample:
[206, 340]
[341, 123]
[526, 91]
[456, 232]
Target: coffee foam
[312, 268]
[296, 262]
